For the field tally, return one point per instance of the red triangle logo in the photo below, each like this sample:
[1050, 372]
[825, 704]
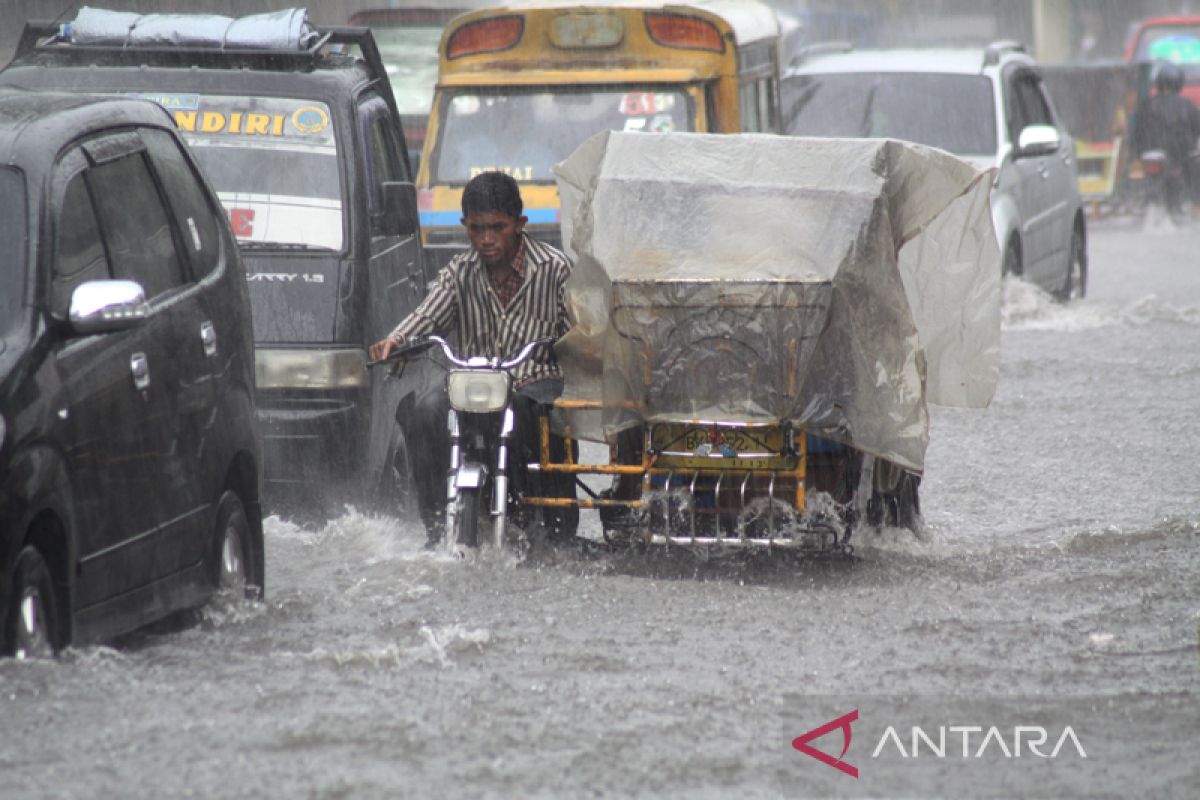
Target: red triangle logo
[801, 743]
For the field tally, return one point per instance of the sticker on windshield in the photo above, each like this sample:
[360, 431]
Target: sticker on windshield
[517, 173]
[640, 104]
[315, 222]
[259, 117]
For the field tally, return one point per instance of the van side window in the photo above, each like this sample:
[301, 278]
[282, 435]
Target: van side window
[382, 149]
[134, 224]
[1028, 104]
[194, 217]
[78, 251]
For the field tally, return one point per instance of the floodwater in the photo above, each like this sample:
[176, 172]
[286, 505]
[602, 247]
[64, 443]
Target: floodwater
[1060, 558]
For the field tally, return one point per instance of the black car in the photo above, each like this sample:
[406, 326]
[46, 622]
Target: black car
[303, 144]
[129, 461]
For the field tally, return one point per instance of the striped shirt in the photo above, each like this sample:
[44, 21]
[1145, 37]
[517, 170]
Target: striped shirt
[464, 302]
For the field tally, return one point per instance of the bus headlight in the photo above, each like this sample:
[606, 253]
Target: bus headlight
[477, 391]
[310, 369]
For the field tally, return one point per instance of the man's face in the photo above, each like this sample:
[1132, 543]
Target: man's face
[494, 235]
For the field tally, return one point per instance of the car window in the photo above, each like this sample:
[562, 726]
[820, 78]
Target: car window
[12, 246]
[381, 148]
[273, 162]
[895, 105]
[1029, 105]
[78, 251]
[194, 215]
[134, 224]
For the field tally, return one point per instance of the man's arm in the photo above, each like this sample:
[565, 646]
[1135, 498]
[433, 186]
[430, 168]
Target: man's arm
[437, 314]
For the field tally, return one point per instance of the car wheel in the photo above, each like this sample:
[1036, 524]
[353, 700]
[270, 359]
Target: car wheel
[32, 627]
[232, 561]
[1012, 259]
[1075, 283]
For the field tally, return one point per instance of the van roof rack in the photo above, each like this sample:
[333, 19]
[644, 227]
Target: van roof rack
[43, 37]
[992, 53]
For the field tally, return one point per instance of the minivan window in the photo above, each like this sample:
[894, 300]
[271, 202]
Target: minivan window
[895, 105]
[527, 133]
[194, 217]
[134, 225]
[272, 161]
[12, 246]
[78, 251]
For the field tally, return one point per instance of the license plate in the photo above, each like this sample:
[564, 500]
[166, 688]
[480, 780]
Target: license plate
[719, 447]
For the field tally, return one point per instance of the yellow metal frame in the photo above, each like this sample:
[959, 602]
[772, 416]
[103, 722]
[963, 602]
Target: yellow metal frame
[649, 467]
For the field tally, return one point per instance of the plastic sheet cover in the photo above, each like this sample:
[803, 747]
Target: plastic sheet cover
[287, 29]
[840, 284]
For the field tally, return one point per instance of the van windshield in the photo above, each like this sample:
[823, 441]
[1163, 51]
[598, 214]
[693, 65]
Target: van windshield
[526, 133]
[896, 106]
[13, 235]
[272, 161]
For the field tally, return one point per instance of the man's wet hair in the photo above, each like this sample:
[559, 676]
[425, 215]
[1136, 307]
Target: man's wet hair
[492, 191]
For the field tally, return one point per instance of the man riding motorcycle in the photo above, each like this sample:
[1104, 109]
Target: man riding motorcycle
[504, 292]
[1170, 123]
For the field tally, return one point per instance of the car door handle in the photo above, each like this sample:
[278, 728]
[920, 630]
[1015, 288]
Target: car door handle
[140, 367]
[208, 336]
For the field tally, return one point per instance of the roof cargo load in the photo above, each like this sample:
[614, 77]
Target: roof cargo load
[839, 284]
[287, 29]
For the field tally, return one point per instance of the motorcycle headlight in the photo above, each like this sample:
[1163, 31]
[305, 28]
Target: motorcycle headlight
[477, 391]
[310, 369]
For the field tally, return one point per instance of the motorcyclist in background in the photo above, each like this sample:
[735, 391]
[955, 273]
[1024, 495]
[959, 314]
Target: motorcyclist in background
[504, 292]
[1171, 123]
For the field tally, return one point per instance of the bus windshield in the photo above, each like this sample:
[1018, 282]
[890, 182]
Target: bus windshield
[526, 133]
[272, 161]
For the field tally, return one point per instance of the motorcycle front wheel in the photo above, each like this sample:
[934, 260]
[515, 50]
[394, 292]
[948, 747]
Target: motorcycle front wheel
[466, 517]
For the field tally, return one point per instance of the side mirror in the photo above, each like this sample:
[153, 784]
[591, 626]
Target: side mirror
[1038, 140]
[104, 306]
[400, 213]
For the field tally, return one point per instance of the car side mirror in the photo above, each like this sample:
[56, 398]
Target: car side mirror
[399, 209]
[105, 306]
[1038, 140]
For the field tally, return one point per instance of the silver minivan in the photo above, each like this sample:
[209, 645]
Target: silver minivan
[988, 106]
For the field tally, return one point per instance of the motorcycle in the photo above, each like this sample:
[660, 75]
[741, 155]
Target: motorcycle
[481, 424]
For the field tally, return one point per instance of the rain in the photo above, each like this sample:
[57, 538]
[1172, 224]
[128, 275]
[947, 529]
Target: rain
[1052, 581]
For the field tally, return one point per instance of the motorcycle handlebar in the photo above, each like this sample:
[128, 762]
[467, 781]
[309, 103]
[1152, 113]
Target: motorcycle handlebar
[418, 345]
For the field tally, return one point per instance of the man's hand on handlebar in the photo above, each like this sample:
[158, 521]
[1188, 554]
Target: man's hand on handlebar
[383, 348]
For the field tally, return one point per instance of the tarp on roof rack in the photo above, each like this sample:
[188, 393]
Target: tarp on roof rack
[288, 29]
[838, 284]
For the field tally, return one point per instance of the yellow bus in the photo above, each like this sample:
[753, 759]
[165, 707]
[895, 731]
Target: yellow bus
[520, 87]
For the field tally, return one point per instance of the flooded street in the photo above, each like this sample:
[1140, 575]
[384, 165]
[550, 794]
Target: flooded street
[1060, 559]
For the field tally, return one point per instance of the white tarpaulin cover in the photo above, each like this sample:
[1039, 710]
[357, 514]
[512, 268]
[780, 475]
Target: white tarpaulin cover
[287, 29]
[836, 283]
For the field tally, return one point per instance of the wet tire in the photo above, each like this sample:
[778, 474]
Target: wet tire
[897, 502]
[1075, 283]
[232, 565]
[466, 517]
[1012, 259]
[32, 629]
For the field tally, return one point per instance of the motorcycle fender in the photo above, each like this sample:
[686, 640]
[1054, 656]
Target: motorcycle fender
[470, 476]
